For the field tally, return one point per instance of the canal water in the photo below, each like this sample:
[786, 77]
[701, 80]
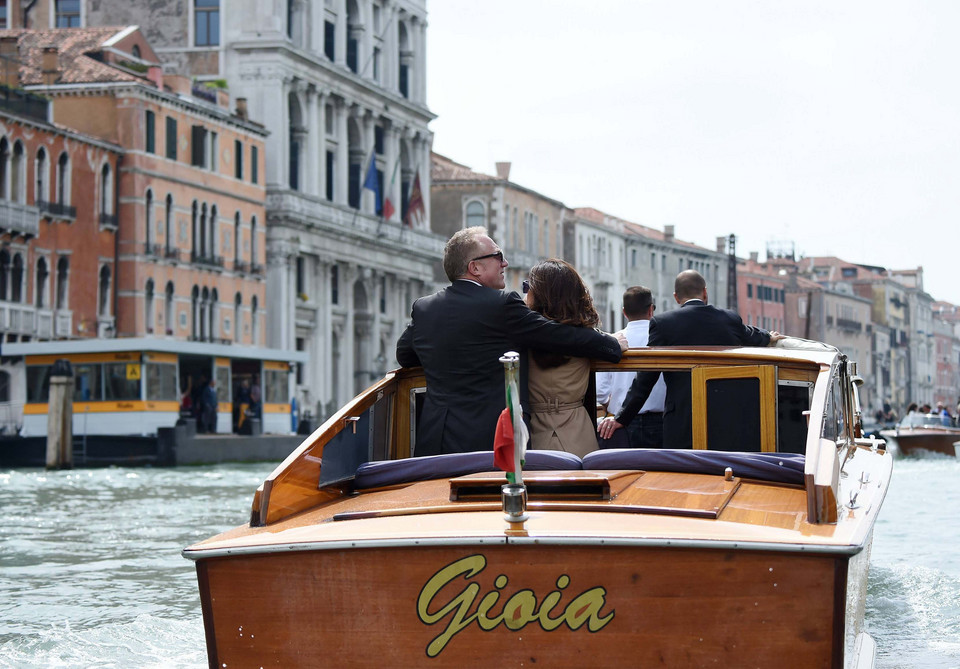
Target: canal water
[91, 573]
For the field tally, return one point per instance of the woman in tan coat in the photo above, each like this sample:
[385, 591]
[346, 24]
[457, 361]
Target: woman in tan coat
[557, 383]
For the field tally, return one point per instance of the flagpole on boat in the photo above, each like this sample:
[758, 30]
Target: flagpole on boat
[514, 493]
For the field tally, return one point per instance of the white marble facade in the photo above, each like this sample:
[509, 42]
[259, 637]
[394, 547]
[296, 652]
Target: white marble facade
[340, 278]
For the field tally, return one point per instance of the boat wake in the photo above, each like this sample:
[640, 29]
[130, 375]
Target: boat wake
[147, 642]
[913, 613]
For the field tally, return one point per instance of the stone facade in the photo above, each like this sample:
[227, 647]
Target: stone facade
[337, 84]
[54, 252]
[526, 224]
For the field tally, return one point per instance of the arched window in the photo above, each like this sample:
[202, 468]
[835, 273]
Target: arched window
[63, 178]
[41, 284]
[354, 32]
[18, 176]
[253, 241]
[148, 220]
[237, 320]
[4, 169]
[4, 274]
[213, 232]
[214, 315]
[202, 230]
[168, 226]
[236, 240]
[40, 192]
[148, 306]
[194, 221]
[254, 322]
[16, 279]
[297, 133]
[168, 308]
[194, 312]
[106, 194]
[404, 59]
[204, 314]
[103, 303]
[63, 286]
[475, 215]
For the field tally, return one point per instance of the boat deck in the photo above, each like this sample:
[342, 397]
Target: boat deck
[607, 506]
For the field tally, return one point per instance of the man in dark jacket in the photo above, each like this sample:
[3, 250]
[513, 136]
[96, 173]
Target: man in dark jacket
[458, 336]
[695, 323]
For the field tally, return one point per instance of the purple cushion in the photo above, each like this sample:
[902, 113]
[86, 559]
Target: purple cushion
[778, 467]
[393, 472]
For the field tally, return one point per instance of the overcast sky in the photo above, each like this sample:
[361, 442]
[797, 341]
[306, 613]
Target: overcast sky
[834, 126]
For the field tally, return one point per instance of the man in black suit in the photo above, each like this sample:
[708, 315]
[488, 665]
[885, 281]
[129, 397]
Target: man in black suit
[458, 336]
[695, 323]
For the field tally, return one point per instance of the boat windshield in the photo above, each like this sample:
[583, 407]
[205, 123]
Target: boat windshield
[925, 420]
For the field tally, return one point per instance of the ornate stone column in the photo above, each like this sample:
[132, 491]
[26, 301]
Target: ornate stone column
[310, 181]
[340, 179]
[280, 306]
[367, 204]
[320, 127]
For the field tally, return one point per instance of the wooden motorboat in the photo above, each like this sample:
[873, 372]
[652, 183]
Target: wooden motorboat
[922, 432]
[749, 550]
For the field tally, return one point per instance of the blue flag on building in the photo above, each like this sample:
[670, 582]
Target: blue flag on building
[372, 181]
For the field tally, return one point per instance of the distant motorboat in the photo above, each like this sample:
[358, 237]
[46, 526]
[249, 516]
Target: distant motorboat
[923, 432]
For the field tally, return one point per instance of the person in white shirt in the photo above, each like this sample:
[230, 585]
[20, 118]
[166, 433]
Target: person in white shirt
[647, 430]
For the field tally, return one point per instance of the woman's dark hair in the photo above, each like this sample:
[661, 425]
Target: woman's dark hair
[558, 292]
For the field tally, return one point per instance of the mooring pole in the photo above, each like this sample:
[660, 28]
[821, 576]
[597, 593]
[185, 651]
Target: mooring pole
[60, 417]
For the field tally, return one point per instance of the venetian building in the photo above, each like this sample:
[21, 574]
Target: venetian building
[616, 254]
[526, 224]
[341, 87]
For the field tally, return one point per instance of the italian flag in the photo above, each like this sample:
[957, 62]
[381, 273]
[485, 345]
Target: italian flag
[508, 455]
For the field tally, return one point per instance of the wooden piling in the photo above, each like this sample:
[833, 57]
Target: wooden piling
[60, 417]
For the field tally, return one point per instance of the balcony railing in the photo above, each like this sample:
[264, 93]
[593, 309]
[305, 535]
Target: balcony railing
[171, 253]
[19, 219]
[240, 266]
[108, 220]
[847, 324]
[208, 260]
[151, 249]
[57, 210]
[255, 268]
[23, 103]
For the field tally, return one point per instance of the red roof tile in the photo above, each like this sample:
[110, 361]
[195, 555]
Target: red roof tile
[78, 51]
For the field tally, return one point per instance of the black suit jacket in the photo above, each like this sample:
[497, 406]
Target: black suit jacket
[694, 324]
[458, 335]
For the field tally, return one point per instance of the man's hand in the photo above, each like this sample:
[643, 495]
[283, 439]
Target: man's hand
[775, 337]
[622, 338]
[607, 427]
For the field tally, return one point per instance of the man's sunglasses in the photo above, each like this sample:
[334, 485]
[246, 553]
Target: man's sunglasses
[498, 255]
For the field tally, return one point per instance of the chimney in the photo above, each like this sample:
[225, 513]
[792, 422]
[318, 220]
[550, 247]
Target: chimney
[155, 74]
[503, 171]
[50, 65]
[722, 244]
[754, 256]
[668, 233]
[242, 108]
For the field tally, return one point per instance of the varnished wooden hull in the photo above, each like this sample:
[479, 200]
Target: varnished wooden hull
[755, 558]
[645, 607]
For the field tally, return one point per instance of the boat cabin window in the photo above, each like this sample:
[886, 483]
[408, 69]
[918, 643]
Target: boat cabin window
[364, 436]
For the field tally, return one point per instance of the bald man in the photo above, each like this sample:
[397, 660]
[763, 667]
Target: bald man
[695, 323]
